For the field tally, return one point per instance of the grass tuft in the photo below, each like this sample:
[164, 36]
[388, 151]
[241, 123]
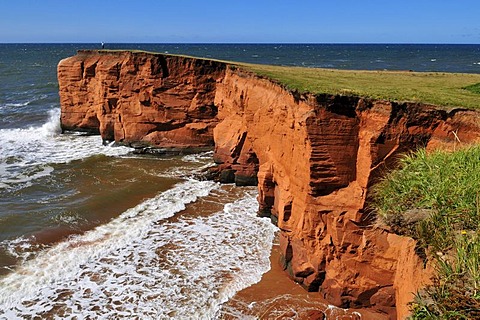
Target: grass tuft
[475, 88]
[435, 198]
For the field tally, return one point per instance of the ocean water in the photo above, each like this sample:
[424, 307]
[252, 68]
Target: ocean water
[94, 231]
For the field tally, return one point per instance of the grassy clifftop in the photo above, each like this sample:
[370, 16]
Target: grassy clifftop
[448, 90]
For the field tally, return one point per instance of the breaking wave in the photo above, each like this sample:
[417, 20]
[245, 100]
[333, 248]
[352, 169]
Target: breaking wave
[28, 154]
[141, 265]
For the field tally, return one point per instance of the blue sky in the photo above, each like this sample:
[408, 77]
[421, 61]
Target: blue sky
[247, 21]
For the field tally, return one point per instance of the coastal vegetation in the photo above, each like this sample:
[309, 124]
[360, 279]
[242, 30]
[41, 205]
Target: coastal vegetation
[442, 89]
[435, 198]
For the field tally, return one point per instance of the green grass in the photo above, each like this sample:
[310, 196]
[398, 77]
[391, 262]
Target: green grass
[475, 88]
[435, 198]
[442, 89]
[447, 90]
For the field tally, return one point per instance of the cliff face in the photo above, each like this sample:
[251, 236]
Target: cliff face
[313, 156]
[140, 98]
[317, 156]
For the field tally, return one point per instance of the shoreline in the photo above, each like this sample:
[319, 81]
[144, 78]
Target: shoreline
[277, 296]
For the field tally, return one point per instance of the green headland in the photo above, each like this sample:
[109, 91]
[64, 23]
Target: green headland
[443, 89]
[434, 198]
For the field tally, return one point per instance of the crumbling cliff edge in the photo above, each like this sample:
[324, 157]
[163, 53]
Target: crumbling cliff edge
[313, 157]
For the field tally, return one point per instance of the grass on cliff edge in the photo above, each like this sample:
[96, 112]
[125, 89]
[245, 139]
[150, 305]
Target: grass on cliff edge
[447, 90]
[435, 198]
[441, 89]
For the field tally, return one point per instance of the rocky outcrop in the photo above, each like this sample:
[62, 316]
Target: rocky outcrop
[140, 98]
[314, 157]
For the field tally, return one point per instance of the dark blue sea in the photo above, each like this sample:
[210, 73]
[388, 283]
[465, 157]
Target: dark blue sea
[94, 231]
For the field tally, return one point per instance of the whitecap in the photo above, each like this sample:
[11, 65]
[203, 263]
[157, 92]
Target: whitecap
[27, 102]
[72, 220]
[18, 104]
[186, 170]
[198, 157]
[296, 306]
[23, 175]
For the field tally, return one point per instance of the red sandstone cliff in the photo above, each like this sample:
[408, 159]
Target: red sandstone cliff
[151, 99]
[314, 157]
[317, 157]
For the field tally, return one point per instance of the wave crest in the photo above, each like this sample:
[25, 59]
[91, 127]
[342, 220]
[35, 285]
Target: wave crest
[26, 151]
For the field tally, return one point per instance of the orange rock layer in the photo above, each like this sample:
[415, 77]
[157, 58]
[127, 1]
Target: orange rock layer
[313, 157]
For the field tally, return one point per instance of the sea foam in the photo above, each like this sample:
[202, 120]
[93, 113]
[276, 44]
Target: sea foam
[27, 154]
[142, 266]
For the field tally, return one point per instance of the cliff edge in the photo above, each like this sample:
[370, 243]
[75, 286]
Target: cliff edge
[313, 156]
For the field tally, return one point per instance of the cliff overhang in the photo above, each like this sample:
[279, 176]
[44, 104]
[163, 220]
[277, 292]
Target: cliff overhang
[313, 156]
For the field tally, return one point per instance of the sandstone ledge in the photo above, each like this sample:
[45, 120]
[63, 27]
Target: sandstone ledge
[313, 157]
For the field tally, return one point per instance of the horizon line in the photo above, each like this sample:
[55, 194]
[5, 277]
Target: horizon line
[255, 43]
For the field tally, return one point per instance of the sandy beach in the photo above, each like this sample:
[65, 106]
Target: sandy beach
[277, 296]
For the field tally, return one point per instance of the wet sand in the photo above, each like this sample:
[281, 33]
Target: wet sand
[276, 296]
